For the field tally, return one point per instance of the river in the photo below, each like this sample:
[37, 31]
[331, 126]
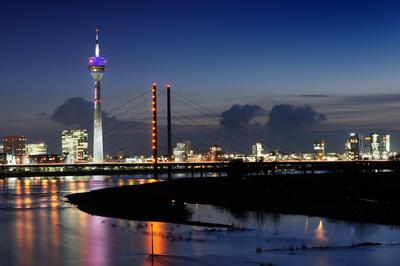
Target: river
[39, 228]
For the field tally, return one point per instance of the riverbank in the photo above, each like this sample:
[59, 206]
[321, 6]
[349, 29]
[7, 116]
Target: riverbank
[364, 197]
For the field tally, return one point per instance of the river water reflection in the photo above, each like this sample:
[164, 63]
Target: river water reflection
[39, 228]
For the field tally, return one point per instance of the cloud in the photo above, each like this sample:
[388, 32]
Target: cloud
[240, 114]
[127, 135]
[42, 114]
[73, 112]
[286, 127]
[284, 117]
[374, 99]
[346, 112]
[315, 96]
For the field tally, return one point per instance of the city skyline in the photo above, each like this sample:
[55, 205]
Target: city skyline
[349, 82]
[74, 149]
[229, 132]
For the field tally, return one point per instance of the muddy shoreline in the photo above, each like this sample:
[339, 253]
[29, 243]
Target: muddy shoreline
[363, 197]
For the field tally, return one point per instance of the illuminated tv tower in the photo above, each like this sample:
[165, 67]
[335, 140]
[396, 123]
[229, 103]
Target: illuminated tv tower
[96, 66]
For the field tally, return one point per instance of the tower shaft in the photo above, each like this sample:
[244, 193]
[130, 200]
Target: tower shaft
[97, 126]
[96, 66]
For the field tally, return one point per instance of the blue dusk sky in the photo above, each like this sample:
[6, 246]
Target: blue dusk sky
[335, 65]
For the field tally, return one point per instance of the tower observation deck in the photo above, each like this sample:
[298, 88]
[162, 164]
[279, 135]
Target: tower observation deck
[96, 66]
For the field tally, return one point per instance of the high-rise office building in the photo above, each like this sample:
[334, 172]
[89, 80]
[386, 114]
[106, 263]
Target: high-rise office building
[375, 139]
[319, 149]
[257, 150]
[16, 147]
[36, 148]
[96, 66]
[384, 147]
[367, 152]
[353, 147]
[74, 144]
[380, 146]
[182, 151]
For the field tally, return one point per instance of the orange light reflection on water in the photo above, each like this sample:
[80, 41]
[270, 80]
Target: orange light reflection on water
[18, 190]
[54, 233]
[27, 202]
[24, 237]
[81, 186]
[23, 198]
[44, 184]
[320, 231]
[37, 181]
[91, 242]
[159, 242]
[27, 186]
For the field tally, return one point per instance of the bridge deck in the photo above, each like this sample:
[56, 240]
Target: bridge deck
[200, 168]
